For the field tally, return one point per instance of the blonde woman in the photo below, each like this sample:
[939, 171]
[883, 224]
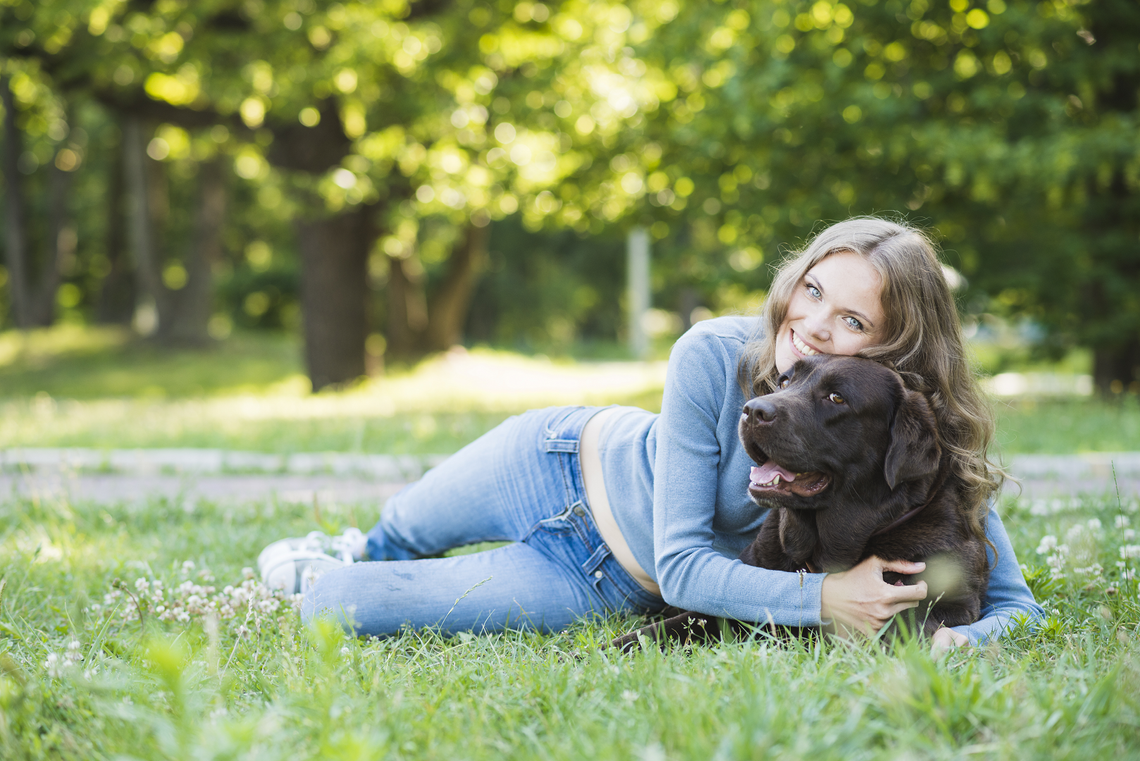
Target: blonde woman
[622, 510]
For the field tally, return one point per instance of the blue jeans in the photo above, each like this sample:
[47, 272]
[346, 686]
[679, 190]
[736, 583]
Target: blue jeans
[522, 483]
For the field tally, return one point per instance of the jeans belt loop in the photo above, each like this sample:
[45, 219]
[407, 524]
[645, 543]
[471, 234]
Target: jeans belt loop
[562, 445]
[594, 562]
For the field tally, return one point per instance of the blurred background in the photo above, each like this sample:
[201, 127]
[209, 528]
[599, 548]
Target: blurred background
[213, 209]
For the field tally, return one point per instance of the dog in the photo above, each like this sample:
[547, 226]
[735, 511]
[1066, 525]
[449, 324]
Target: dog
[849, 465]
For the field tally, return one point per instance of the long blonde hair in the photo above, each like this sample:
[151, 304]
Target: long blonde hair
[924, 341]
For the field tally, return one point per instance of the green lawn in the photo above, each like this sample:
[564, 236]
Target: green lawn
[72, 387]
[90, 667]
[82, 677]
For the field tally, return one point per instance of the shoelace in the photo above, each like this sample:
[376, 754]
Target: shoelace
[340, 546]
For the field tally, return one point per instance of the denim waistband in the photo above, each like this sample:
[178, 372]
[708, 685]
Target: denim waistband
[563, 433]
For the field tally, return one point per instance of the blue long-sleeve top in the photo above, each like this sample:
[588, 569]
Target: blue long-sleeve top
[677, 484]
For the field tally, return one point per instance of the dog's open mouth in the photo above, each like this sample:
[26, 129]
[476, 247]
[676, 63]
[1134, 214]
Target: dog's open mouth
[770, 478]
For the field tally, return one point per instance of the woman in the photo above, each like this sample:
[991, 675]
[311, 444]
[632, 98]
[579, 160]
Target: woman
[619, 509]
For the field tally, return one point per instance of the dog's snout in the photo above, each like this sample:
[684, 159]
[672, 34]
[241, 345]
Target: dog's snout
[760, 410]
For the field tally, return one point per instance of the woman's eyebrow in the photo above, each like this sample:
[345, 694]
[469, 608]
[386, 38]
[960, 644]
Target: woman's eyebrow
[867, 321]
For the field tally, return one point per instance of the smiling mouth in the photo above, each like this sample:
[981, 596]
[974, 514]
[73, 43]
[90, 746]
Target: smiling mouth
[771, 478]
[802, 347]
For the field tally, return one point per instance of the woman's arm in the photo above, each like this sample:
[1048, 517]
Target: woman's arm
[700, 478]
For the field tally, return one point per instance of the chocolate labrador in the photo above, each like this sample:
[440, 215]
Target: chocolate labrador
[849, 466]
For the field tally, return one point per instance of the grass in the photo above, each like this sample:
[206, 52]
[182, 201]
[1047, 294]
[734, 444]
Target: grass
[245, 395]
[86, 363]
[1063, 426]
[82, 677]
[72, 387]
[91, 668]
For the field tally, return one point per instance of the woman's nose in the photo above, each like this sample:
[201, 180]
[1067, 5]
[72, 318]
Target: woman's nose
[817, 326]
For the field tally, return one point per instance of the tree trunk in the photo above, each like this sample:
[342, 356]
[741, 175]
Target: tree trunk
[450, 303]
[1116, 369]
[689, 300]
[60, 246]
[334, 294]
[407, 308]
[190, 307]
[15, 218]
[1112, 222]
[141, 227]
[116, 300]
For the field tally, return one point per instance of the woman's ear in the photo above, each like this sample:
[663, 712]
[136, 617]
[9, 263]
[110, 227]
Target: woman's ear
[914, 451]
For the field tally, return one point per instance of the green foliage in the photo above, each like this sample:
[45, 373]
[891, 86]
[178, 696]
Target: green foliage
[729, 129]
[258, 683]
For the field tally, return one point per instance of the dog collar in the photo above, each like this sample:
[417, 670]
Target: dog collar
[938, 483]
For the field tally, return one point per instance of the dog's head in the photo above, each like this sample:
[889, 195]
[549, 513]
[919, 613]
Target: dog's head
[837, 426]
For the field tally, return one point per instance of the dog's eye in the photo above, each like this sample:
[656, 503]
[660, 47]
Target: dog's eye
[836, 398]
[785, 382]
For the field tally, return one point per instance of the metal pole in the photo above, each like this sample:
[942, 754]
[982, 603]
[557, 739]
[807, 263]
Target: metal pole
[637, 247]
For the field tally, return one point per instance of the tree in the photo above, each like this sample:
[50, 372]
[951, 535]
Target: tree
[34, 280]
[380, 111]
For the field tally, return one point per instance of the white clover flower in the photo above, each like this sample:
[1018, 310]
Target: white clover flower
[1122, 521]
[1074, 532]
[187, 566]
[1129, 534]
[1048, 543]
[141, 584]
[1130, 551]
[248, 573]
[55, 665]
[1094, 524]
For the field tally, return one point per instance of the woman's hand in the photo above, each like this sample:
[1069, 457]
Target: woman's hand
[944, 640]
[859, 600]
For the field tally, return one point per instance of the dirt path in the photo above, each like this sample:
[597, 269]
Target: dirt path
[135, 475]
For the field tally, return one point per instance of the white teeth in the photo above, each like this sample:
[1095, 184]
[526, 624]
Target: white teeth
[802, 347]
[776, 480]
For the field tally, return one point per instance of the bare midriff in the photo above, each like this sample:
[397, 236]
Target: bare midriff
[595, 484]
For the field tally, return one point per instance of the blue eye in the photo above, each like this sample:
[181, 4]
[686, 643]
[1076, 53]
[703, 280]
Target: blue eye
[853, 323]
[813, 291]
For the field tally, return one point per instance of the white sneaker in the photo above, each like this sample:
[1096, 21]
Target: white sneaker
[294, 572]
[348, 546]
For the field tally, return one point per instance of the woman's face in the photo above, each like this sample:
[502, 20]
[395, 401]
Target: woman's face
[835, 309]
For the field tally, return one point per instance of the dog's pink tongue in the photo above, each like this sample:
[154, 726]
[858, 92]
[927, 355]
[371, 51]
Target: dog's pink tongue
[767, 471]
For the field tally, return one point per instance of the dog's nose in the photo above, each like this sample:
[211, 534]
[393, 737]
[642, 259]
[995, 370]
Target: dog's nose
[760, 410]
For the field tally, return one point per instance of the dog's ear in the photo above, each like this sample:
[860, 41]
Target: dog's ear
[914, 451]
